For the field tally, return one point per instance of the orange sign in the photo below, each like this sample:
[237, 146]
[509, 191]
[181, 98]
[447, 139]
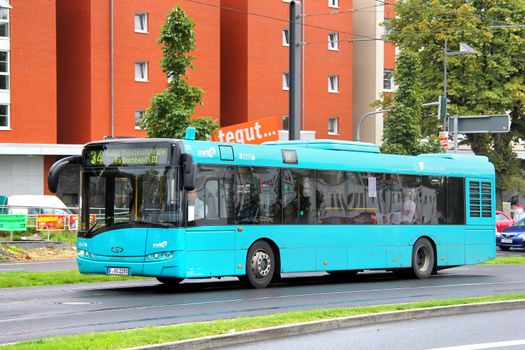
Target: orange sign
[254, 132]
[50, 222]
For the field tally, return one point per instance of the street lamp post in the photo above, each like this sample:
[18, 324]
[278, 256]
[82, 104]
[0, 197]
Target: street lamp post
[358, 133]
[464, 49]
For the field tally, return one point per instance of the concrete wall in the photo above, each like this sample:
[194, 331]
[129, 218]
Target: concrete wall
[368, 71]
[21, 175]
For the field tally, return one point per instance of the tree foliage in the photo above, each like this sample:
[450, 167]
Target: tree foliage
[492, 82]
[170, 111]
[402, 132]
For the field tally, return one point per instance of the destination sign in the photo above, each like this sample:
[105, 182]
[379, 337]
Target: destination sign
[108, 155]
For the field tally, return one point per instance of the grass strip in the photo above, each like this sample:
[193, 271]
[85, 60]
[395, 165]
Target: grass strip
[506, 260]
[155, 335]
[52, 278]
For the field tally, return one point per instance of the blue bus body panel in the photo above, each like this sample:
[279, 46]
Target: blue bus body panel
[221, 250]
[269, 155]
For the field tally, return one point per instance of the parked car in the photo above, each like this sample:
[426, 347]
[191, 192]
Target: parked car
[512, 237]
[502, 220]
[36, 204]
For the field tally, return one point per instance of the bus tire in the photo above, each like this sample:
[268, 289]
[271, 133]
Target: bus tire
[260, 264]
[423, 258]
[170, 281]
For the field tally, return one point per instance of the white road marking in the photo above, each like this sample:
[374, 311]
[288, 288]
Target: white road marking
[493, 345]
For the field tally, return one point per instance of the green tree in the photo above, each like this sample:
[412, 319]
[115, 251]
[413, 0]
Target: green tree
[170, 111]
[402, 132]
[492, 82]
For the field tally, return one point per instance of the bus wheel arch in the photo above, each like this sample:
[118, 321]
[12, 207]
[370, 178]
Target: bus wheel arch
[424, 261]
[262, 263]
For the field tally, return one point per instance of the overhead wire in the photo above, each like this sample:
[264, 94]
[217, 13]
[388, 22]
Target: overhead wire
[256, 14]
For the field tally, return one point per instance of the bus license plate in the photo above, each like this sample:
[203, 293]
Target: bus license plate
[121, 271]
[506, 240]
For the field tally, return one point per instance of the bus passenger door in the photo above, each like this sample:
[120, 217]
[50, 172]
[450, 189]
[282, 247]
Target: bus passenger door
[209, 252]
[210, 242]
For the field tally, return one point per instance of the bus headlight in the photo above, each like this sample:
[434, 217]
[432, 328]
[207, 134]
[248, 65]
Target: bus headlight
[167, 255]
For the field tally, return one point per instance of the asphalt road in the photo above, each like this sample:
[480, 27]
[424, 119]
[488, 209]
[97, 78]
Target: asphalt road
[463, 332]
[50, 311]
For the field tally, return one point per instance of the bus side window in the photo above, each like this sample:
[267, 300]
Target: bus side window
[211, 198]
[215, 190]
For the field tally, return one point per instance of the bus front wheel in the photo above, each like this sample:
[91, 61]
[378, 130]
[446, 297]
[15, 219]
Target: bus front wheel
[422, 258]
[260, 264]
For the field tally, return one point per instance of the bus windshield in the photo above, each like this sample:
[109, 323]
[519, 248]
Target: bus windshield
[132, 195]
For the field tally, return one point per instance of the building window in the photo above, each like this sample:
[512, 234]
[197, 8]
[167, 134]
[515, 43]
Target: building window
[286, 81]
[286, 122]
[4, 116]
[333, 3]
[333, 41]
[4, 70]
[333, 83]
[386, 30]
[388, 80]
[141, 71]
[141, 22]
[286, 37]
[139, 115]
[4, 22]
[333, 126]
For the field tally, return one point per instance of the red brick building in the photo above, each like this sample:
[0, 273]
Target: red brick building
[109, 64]
[254, 64]
[77, 71]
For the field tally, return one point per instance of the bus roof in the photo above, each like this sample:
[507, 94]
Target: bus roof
[338, 155]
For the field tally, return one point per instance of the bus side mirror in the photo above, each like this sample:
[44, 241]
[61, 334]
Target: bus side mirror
[56, 169]
[189, 171]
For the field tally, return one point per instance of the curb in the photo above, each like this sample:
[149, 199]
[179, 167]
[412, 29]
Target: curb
[331, 324]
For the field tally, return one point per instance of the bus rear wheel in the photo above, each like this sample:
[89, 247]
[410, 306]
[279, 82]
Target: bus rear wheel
[260, 264]
[170, 281]
[423, 258]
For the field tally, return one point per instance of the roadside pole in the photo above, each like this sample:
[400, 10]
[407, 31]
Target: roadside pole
[294, 91]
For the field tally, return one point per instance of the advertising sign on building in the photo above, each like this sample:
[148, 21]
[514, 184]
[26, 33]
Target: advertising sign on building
[13, 222]
[45, 222]
[253, 132]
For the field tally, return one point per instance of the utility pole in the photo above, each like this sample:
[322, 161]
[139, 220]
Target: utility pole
[294, 91]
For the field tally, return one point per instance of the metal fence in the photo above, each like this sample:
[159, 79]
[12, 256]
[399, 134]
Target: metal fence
[32, 213]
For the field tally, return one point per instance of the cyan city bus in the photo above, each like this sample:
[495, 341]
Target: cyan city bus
[183, 209]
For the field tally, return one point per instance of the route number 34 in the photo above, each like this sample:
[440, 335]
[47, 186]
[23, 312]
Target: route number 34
[96, 157]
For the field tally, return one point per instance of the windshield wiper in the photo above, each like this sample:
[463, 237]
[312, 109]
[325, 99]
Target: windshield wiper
[95, 224]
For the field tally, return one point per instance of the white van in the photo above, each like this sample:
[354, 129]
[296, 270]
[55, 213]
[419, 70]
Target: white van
[36, 204]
